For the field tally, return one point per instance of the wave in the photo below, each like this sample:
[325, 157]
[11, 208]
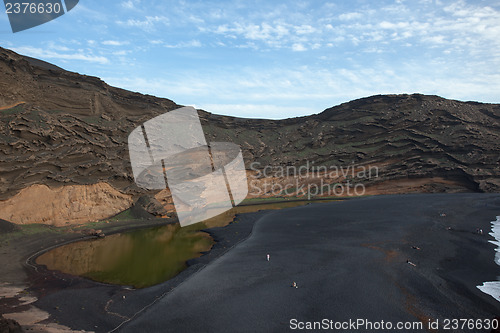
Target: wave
[492, 288]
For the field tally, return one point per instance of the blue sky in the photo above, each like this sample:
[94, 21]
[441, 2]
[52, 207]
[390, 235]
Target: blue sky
[276, 59]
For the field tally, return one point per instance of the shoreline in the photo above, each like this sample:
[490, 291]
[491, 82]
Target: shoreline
[125, 226]
[38, 282]
[350, 260]
[111, 305]
[53, 237]
[23, 282]
[126, 302]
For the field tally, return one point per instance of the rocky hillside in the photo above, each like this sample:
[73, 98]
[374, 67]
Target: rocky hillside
[64, 157]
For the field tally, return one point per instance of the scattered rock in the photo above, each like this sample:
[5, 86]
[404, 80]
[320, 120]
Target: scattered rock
[9, 326]
[93, 232]
[6, 226]
[151, 205]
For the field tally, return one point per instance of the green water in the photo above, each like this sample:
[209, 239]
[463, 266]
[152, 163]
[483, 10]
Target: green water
[138, 258]
[146, 257]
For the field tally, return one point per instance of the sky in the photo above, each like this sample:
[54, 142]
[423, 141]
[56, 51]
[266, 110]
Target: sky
[275, 59]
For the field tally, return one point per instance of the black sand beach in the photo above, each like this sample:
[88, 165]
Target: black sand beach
[349, 260]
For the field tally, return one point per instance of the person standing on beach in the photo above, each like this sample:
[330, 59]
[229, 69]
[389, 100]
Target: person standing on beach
[409, 262]
[268, 256]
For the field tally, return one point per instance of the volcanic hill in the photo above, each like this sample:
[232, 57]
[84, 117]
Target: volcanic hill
[64, 156]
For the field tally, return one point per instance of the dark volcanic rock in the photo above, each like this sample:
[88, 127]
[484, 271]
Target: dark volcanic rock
[151, 205]
[6, 227]
[9, 326]
[414, 136]
[62, 128]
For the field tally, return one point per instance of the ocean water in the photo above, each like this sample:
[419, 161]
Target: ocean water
[493, 288]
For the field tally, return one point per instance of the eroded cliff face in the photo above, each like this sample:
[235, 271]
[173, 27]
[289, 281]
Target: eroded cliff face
[63, 143]
[60, 206]
[69, 132]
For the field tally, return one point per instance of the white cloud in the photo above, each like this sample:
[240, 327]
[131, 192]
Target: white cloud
[192, 43]
[437, 39]
[130, 4]
[448, 50]
[248, 45]
[389, 25]
[274, 34]
[83, 12]
[147, 24]
[282, 86]
[298, 47]
[350, 16]
[261, 32]
[58, 47]
[304, 29]
[120, 53]
[285, 92]
[399, 48]
[48, 54]
[196, 19]
[115, 43]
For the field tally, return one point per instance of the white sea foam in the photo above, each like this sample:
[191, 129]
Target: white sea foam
[493, 288]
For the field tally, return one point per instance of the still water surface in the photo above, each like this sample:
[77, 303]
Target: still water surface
[142, 258]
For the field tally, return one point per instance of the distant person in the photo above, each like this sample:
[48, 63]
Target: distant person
[409, 262]
[294, 285]
[415, 247]
[268, 257]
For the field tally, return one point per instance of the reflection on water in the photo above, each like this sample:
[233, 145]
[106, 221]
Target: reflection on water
[139, 258]
[144, 257]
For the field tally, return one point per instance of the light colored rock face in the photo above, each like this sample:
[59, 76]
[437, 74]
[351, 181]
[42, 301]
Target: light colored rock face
[71, 204]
